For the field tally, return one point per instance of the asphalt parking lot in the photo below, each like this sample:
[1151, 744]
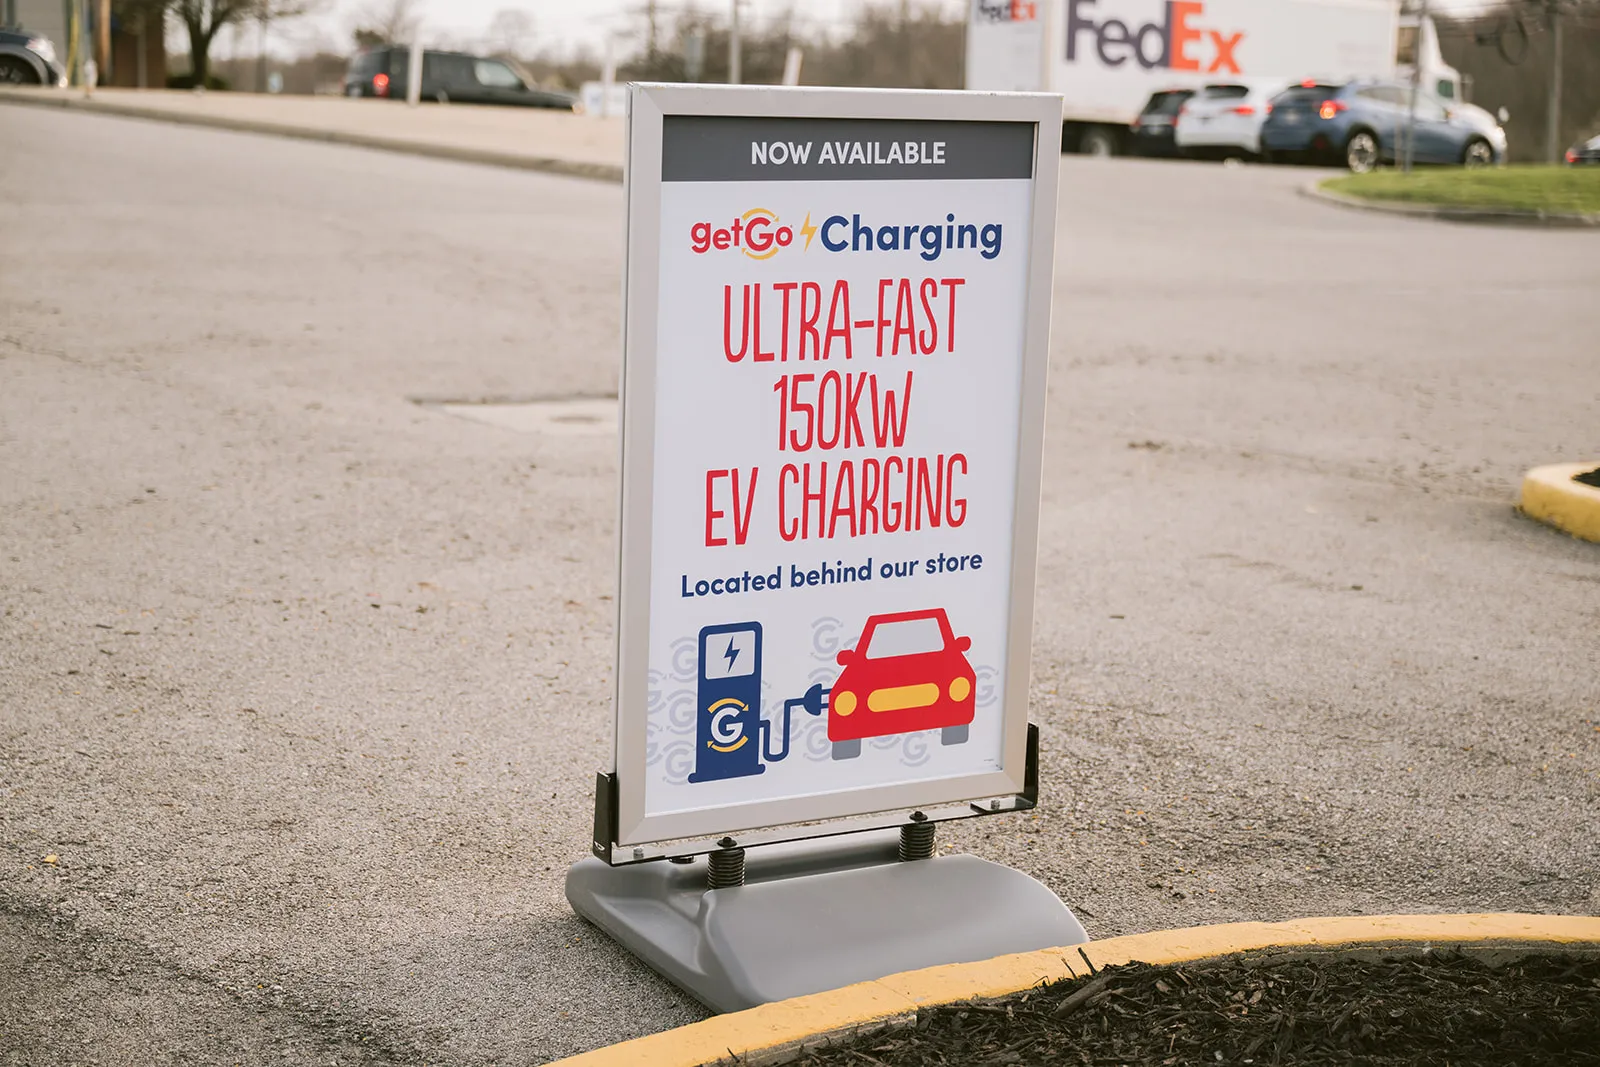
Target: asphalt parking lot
[303, 685]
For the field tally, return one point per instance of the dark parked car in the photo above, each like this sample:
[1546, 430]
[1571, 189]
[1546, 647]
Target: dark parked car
[1362, 124]
[447, 77]
[1153, 129]
[1587, 153]
[29, 59]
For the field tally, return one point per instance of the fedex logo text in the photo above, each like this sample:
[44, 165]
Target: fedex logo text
[1007, 10]
[1172, 44]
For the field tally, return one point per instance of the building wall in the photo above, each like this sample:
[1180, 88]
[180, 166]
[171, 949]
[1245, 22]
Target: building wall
[125, 48]
[48, 17]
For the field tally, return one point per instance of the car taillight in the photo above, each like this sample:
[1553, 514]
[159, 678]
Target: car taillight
[1244, 109]
[1572, 156]
[1269, 107]
[1331, 108]
[380, 84]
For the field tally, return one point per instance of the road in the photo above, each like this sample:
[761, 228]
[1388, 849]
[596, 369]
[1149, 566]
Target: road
[303, 685]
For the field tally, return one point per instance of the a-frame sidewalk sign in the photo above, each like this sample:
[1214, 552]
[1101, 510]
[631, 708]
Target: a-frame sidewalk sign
[836, 330]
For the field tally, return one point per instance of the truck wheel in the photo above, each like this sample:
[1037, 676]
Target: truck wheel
[847, 749]
[14, 71]
[954, 735]
[1097, 141]
[1477, 153]
[1361, 152]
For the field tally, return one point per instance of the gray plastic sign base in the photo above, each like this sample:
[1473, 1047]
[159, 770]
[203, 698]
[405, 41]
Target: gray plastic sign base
[816, 915]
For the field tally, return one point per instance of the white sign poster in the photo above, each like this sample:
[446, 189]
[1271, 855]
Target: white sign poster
[837, 323]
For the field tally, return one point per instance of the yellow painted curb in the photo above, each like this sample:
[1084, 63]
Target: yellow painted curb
[1550, 495]
[773, 1033]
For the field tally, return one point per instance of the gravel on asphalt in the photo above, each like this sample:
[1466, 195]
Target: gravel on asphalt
[304, 685]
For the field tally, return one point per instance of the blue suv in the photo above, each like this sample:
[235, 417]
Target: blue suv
[1363, 123]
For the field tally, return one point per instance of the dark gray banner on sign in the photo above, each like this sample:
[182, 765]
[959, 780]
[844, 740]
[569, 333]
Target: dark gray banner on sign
[722, 148]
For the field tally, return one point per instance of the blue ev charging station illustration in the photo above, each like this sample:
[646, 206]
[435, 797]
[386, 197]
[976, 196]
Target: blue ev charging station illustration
[732, 738]
[836, 334]
[728, 703]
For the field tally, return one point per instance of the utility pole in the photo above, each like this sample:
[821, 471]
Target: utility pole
[1416, 84]
[694, 54]
[262, 17]
[414, 69]
[78, 63]
[905, 40]
[1552, 137]
[142, 60]
[102, 39]
[733, 47]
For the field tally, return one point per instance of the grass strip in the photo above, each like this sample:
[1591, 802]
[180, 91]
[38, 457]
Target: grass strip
[1528, 187]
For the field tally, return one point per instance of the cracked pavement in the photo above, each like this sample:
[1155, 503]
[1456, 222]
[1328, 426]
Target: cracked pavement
[303, 685]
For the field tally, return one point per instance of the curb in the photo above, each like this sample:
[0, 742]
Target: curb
[1550, 495]
[1452, 213]
[775, 1033]
[607, 172]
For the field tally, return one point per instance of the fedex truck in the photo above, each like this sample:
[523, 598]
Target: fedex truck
[1105, 57]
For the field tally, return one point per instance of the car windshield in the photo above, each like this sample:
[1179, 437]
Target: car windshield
[1166, 103]
[1227, 92]
[905, 637]
[1385, 94]
[1307, 95]
[493, 73]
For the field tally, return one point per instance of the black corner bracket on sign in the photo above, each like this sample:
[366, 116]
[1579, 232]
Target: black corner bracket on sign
[605, 814]
[606, 826]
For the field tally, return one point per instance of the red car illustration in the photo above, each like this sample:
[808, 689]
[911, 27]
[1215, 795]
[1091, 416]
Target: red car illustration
[908, 672]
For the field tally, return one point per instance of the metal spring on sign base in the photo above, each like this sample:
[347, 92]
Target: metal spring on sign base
[916, 838]
[725, 867]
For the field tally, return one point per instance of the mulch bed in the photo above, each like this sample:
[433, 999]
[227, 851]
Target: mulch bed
[1438, 1009]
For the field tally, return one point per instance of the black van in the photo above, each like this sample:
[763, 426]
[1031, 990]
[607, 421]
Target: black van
[447, 77]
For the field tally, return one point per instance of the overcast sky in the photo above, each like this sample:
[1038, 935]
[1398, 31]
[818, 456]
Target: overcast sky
[562, 25]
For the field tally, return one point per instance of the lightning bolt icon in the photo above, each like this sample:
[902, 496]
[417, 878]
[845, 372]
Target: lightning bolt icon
[809, 231]
[731, 655]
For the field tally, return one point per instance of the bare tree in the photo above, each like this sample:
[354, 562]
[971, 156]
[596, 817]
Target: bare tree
[511, 31]
[914, 43]
[387, 22]
[203, 19]
[1508, 53]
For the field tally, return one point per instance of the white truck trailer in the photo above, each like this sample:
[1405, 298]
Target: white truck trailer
[1105, 57]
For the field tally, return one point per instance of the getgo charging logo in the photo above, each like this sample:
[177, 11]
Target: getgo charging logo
[759, 234]
[756, 233]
